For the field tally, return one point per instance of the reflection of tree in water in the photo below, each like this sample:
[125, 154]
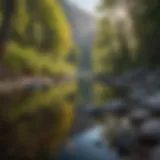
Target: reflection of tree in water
[35, 121]
[103, 93]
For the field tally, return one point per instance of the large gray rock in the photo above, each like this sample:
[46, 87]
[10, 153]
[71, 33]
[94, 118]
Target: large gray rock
[139, 114]
[155, 154]
[151, 129]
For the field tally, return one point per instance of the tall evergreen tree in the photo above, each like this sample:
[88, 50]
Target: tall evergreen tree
[7, 10]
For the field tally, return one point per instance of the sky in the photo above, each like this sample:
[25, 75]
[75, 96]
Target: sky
[88, 5]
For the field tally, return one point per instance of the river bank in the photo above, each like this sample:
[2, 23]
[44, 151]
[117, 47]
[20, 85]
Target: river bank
[31, 82]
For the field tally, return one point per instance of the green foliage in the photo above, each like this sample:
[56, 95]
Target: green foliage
[30, 60]
[104, 48]
[54, 22]
[40, 38]
[21, 18]
[147, 26]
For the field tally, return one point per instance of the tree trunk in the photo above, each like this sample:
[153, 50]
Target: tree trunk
[7, 12]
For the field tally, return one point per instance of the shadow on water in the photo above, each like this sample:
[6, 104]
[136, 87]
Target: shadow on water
[35, 120]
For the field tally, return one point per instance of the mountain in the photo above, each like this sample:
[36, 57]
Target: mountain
[83, 28]
[81, 22]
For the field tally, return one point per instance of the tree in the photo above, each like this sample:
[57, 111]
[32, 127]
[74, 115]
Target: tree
[103, 52]
[112, 50]
[146, 21]
[40, 37]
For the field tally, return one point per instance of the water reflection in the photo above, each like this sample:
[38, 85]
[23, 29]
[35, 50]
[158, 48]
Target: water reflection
[88, 145]
[103, 93]
[35, 120]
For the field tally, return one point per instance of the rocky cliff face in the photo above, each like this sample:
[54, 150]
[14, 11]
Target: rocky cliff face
[81, 22]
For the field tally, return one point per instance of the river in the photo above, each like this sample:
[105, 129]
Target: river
[88, 145]
[28, 111]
